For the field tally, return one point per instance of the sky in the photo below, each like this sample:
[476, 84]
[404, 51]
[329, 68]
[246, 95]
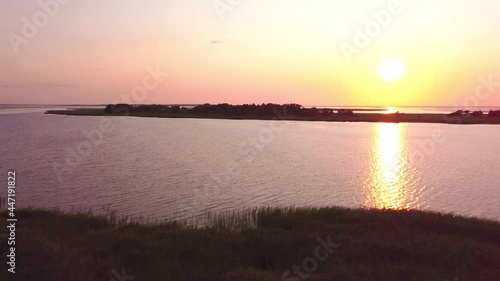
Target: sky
[315, 52]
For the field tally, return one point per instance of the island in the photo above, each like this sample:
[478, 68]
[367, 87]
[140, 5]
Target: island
[288, 112]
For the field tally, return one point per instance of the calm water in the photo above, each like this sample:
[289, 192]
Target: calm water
[177, 168]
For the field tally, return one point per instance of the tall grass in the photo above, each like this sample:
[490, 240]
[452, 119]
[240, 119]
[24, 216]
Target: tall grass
[255, 244]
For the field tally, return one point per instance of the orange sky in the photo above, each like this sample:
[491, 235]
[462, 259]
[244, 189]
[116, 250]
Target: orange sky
[318, 52]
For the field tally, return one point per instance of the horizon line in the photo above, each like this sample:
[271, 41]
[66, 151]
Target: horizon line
[196, 104]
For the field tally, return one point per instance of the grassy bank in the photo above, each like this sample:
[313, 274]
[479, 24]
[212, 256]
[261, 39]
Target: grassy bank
[258, 245]
[358, 117]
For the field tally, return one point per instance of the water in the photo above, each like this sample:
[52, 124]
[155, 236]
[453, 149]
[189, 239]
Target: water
[178, 168]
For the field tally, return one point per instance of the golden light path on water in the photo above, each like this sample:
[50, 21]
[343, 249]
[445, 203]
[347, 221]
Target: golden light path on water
[392, 183]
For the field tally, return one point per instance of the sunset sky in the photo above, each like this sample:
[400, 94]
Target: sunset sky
[94, 51]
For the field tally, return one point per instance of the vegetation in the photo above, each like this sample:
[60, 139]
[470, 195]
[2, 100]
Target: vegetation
[292, 112]
[494, 113]
[466, 113]
[257, 245]
[253, 110]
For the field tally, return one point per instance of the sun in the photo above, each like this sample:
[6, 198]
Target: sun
[391, 70]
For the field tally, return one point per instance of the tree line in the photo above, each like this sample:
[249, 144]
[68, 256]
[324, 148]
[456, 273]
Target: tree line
[478, 113]
[224, 109]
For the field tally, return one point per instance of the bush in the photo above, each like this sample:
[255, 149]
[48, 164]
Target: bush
[494, 113]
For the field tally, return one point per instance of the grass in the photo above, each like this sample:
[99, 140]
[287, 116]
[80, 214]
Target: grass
[256, 245]
[358, 117]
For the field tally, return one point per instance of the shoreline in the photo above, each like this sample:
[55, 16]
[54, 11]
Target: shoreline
[432, 118]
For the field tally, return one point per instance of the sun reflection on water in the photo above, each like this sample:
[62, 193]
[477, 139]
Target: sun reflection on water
[391, 184]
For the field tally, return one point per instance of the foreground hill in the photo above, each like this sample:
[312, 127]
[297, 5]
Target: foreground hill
[265, 244]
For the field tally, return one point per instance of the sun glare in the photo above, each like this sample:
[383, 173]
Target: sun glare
[391, 70]
[389, 184]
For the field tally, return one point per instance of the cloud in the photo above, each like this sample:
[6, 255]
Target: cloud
[216, 42]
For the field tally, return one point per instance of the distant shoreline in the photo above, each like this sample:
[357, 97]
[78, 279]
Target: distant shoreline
[356, 117]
